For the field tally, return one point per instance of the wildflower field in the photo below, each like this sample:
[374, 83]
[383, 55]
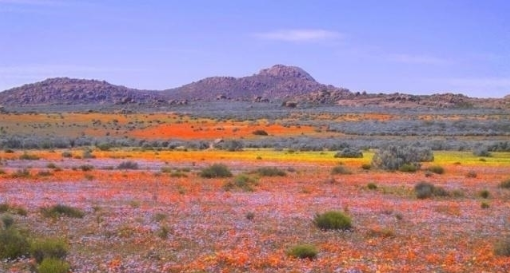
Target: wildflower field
[175, 192]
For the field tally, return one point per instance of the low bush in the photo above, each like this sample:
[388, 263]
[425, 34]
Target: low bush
[393, 157]
[505, 184]
[128, 165]
[372, 186]
[408, 168]
[67, 154]
[270, 171]
[340, 170]
[332, 220]
[13, 244]
[366, 167]
[50, 248]
[471, 174]
[53, 266]
[304, 251]
[482, 152]
[86, 167]
[260, 133]
[436, 169]
[62, 210]
[484, 194]
[27, 156]
[242, 181]
[23, 173]
[349, 153]
[484, 205]
[216, 171]
[7, 220]
[502, 247]
[426, 190]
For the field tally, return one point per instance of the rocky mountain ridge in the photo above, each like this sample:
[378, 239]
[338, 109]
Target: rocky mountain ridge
[288, 84]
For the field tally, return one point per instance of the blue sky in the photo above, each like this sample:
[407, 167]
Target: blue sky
[409, 46]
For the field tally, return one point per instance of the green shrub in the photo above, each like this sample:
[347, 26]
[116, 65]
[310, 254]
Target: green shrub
[242, 181]
[7, 220]
[44, 173]
[505, 184]
[340, 170]
[484, 194]
[128, 165]
[471, 174]
[51, 165]
[270, 171]
[372, 186]
[484, 205]
[12, 244]
[4, 207]
[366, 167]
[482, 151]
[424, 190]
[53, 266]
[304, 251]
[23, 173]
[67, 154]
[408, 168]
[216, 171]
[393, 157]
[104, 146]
[26, 156]
[260, 133]
[86, 167]
[50, 248]
[62, 210]
[332, 220]
[436, 169]
[502, 248]
[349, 153]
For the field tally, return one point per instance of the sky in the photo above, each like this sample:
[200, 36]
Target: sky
[406, 46]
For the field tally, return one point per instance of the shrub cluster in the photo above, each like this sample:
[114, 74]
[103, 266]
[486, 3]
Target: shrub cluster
[332, 220]
[349, 153]
[270, 171]
[216, 171]
[304, 251]
[128, 165]
[242, 181]
[426, 190]
[394, 157]
[62, 210]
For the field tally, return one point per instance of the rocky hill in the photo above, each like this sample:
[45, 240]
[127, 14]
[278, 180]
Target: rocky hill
[66, 91]
[275, 83]
[289, 84]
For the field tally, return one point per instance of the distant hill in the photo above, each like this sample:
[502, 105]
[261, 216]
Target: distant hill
[66, 91]
[275, 83]
[289, 84]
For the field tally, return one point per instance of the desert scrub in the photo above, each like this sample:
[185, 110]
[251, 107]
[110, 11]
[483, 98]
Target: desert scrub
[408, 168]
[471, 174]
[216, 171]
[23, 173]
[484, 194]
[436, 169]
[505, 184]
[304, 251]
[332, 220]
[502, 247]
[260, 133]
[372, 186]
[270, 171]
[393, 157]
[27, 156]
[243, 182]
[86, 167]
[53, 266]
[67, 154]
[128, 165]
[62, 210]
[349, 153]
[13, 244]
[426, 190]
[50, 248]
[7, 220]
[340, 170]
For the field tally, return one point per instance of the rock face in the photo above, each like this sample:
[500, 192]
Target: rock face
[76, 91]
[277, 82]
